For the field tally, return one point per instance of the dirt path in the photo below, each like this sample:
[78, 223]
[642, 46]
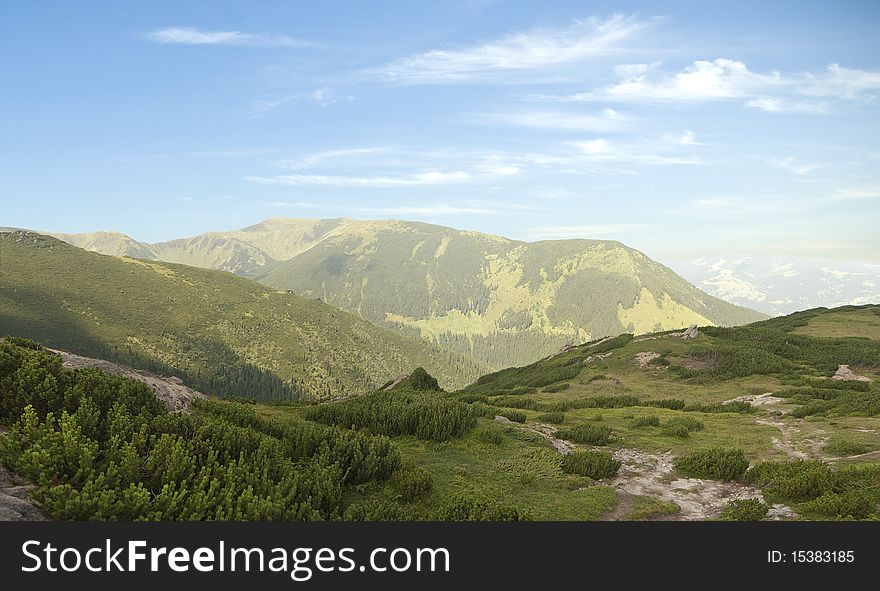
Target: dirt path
[644, 473]
[169, 390]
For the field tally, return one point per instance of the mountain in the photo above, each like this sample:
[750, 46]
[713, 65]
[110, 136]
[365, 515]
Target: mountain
[782, 285]
[220, 333]
[503, 301]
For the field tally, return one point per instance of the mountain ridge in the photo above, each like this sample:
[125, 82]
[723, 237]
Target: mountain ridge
[503, 301]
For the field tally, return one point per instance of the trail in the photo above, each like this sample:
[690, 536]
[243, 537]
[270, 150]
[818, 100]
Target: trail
[652, 474]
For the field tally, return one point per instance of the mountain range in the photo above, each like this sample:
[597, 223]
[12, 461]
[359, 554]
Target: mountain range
[502, 302]
[219, 333]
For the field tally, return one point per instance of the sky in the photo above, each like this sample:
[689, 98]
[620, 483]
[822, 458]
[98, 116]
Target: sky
[692, 131]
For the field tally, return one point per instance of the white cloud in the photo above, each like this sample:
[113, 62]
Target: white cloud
[605, 121]
[590, 231]
[779, 105]
[856, 193]
[538, 49]
[409, 180]
[602, 150]
[194, 36]
[727, 79]
[790, 164]
[701, 81]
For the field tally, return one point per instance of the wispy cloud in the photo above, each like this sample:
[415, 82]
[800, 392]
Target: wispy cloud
[194, 36]
[856, 193]
[607, 120]
[603, 150]
[316, 158]
[727, 79]
[322, 97]
[590, 231]
[790, 164]
[538, 49]
[408, 180]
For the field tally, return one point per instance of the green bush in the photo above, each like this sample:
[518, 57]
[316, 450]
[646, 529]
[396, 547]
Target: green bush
[463, 508]
[843, 447]
[490, 434]
[670, 403]
[554, 417]
[681, 426]
[424, 414]
[595, 464]
[713, 463]
[646, 421]
[854, 504]
[511, 415]
[799, 480]
[588, 434]
[411, 483]
[745, 510]
[558, 387]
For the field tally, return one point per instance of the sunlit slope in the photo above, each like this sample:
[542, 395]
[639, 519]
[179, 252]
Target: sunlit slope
[506, 302]
[221, 333]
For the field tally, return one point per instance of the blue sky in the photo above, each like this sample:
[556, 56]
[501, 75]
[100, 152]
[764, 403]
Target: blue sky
[685, 130]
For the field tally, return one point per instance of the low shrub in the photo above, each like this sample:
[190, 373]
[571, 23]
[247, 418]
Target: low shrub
[412, 482]
[745, 510]
[558, 387]
[463, 508]
[715, 463]
[681, 426]
[587, 434]
[844, 447]
[490, 434]
[670, 403]
[854, 504]
[512, 415]
[646, 421]
[595, 464]
[800, 480]
[554, 417]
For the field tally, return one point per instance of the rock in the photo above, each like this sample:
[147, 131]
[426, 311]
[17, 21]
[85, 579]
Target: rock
[646, 357]
[396, 381]
[690, 333]
[16, 503]
[846, 374]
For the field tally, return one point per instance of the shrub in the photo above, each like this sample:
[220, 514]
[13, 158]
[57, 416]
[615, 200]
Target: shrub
[420, 380]
[854, 504]
[412, 483]
[843, 447]
[423, 414]
[558, 387]
[799, 480]
[554, 417]
[587, 434]
[745, 510]
[713, 463]
[490, 434]
[595, 464]
[512, 415]
[681, 426]
[463, 508]
[646, 421]
[670, 403]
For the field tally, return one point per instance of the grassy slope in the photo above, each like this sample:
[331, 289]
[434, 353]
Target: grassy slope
[194, 321]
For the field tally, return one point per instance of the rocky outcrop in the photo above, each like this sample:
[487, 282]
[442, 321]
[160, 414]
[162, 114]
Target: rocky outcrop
[846, 374]
[169, 390]
[690, 333]
[16, 503]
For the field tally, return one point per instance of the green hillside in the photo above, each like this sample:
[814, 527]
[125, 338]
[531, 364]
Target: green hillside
[220, 333]
[502, 301]
[739, 423]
